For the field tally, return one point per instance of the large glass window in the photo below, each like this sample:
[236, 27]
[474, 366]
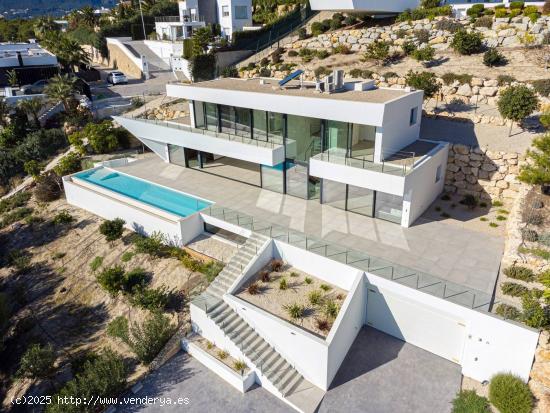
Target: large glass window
[303, 137]
[176, 155]
[362, 141]
[242, 122]
[260, 124]
[360, 200]
[241, 12]
[272, 177]
[334, 194]
[297, 179]
[198, 108]
[336, 137]
[389, 207]
[227, 118]
[211, 110]
[276, 127]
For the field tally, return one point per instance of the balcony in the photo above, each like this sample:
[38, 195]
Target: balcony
[187, 18]
[266, 152]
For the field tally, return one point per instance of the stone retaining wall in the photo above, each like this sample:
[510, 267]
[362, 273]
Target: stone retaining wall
[482, 173]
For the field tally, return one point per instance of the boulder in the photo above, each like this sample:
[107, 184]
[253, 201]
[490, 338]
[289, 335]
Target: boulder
[464, 90]
[488, 91]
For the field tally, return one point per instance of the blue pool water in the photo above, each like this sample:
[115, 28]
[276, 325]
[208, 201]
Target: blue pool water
[143, 191]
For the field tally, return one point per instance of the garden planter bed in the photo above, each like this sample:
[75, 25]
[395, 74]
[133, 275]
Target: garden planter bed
[271, 298]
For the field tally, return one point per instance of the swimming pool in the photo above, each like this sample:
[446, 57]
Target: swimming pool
[155, 195]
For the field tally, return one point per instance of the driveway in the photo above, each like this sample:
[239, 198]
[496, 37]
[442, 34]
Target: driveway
[380, 375]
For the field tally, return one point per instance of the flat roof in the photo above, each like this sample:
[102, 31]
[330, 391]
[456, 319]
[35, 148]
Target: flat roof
[271, 86]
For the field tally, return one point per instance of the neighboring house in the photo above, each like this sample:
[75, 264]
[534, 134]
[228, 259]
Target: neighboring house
[231, 15]
[356, 149]
[29, 61]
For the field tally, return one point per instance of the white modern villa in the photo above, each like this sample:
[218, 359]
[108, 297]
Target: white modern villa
[343, 143]
[231, 15]
[355, 147]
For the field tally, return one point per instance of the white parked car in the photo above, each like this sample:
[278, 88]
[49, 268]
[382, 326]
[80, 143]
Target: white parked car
[116, 78]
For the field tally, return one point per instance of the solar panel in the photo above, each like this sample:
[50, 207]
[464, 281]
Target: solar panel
[290, 77]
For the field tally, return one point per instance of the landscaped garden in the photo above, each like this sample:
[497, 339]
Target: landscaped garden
[222, 355]
[294, 296]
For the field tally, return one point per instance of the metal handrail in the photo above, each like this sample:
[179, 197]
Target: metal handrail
[362, 162]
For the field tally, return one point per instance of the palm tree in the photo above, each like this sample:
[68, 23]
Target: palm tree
[87, 16]
[61, 88]
[32, 108]
[68, 51]
[45, 25]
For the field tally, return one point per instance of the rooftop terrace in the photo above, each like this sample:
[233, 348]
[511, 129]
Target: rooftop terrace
[307, 89]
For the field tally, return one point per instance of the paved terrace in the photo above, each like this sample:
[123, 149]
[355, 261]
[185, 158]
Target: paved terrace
[456, 254]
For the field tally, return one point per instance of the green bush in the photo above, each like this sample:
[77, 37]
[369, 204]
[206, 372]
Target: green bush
[62, 217]
[500, 13]
[302, 33]
[341, 49]
[103, 376]
[530, 9]
[509, 394]
[118, 328]
[449, 25]
[149, 337]
[37, 362]
[529, 235]
[112, 229]
[134, 279]
[17, 200]
[408, 47]
[424, 54]
[230, 71]
[542, 86]
[533, 17]
[519, 273]
[96, 263]
[504, 80]
[467, 43]
[422, 35]
[476, 10]
[516, 5]
[534, 315]
[508, 312]
[211, 269]
[493, 57]
[378, 51]
[513, 289]
[517, 102]
[292, 53]
[48, 187]
[151, 298]
[112, 279]
[425, 81]
[484, 21]
[468, 401]
[69, 164]
[15, 215]
[318, 28]
[463, 78]
[153, 245]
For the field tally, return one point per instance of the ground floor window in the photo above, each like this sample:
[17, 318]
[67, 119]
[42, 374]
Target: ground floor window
[362, 201]
[273, 177]
[176, 155]
[220, 232]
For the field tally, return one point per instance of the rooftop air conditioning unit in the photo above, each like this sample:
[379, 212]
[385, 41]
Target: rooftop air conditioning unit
[329, 84]
[338, 76]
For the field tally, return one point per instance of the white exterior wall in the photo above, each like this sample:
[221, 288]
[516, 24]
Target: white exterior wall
[396, 129]
[231, 24]
[202, 142]
[365, 113]
[373, 6]
[421, 189]
[491, 345]
[165, 50]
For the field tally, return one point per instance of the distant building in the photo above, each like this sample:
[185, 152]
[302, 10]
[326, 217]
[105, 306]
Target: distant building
[29, 61]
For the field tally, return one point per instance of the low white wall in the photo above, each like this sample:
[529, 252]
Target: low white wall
[421, 189]
[491, 345]
[180, 64]
[241, 382]
[220, 223]
[326, 269]
[165, 50]
[363, 178]
[346, 326]
[256, 264]
[119, 41]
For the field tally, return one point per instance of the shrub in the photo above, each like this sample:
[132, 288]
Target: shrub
[533, 314]
[230, 71]
[152, 245]
[37, 362]
[127, 256]
[390, 74]
[519, 273]
[422, 35]
[504, 80]
[516, 5]
[265, 277]
[425, 81]
[470, 201]
[331, 309]
[151, 298]
[335, 24]
[350, 20]
[449, 78]
[513, 289]
[341, 49]
[476, 10]
[318, 28]
[308, 280]
[136, 278]
[378, 51]
[408, 47]
[508, 312]
[467, 43]
[101, 377]
[96, 263]
[63, 217]
[538, 252]
[283, 284]
[292, 53]
[509, 394]
[211, 269]
[222, 354]
[534, 218]
[529, 235]
[493, 57]
[542, 86]
[355, 73]
[68, 164]
[15, 215]
[147, 339]
[449, 25]
[517, 102]
[322, 54]
[277, 265]
[424, 54]
[302, 33]
[118, 328]
[239, 365]
[484, 21]
[295, 311]
[322, 324]
[468, 401]
[111, 279]
[253, 289]
[315, 297]
[48, 187]
[500, 13]
[15, 201]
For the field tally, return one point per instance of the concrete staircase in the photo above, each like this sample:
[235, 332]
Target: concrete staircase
[236, 265]
[270, 363]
